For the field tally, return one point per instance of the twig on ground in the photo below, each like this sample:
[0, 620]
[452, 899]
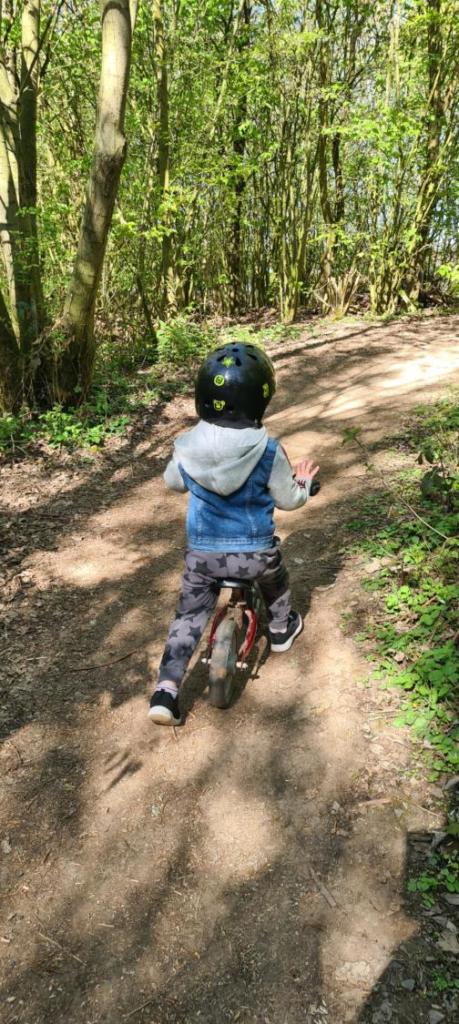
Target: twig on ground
[428, 810]
[322, 888]
[106, 664]
[59, 945]
[374, 802]
[391, 713]
[139, 1008]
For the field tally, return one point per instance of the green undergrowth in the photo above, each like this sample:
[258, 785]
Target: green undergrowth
[441, 874]
[412, 631]
[108, 412]
[129, 379]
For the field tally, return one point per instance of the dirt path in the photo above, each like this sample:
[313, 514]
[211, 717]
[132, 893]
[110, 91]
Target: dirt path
[252, 868]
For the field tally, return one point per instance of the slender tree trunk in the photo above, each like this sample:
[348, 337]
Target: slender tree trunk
[9, 199]
[338, 172]
[322, 154]
[231, 44]
[235, 253]
[168, 297]
[28, 164]
[432, 174]
[76, 328]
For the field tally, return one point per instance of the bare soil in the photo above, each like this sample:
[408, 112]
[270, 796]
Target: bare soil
[251, 865]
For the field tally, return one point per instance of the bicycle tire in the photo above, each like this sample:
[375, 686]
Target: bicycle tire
[222, 666]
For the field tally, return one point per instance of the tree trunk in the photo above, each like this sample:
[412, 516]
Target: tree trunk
[18, 183]
[322, 155]
[419, 248]
[28, 164]
[11, 364]
[168, 298]
[338, 172]
[76, 329]
[231, 42]
[235, 253]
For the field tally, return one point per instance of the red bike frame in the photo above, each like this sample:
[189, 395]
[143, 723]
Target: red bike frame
[251, 632]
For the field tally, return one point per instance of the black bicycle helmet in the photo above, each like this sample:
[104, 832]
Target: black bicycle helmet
[234, 385]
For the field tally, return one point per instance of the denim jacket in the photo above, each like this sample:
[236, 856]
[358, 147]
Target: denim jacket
[241, 521]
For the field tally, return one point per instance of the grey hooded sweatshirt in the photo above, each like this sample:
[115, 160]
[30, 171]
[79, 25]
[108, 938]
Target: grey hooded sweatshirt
[221, 459]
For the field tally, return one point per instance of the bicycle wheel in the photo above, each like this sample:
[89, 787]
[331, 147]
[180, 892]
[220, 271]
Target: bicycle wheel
[223, 664]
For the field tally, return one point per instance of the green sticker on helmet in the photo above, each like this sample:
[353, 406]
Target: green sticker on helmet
[218, 406]
[229, 361]
[265, 390]
[219, 380]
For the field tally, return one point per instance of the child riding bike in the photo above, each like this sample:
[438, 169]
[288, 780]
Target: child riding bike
[236, 475]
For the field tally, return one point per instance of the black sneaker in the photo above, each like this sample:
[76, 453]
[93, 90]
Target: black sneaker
[283, 641]
[164, 708]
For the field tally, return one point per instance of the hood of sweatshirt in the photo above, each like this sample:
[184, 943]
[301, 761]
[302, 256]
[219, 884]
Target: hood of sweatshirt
[220, 458]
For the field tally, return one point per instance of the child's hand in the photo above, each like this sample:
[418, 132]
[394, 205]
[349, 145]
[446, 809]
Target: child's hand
[305, 470]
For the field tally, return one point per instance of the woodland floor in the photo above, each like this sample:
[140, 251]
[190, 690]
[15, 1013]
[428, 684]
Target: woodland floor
[250, 867]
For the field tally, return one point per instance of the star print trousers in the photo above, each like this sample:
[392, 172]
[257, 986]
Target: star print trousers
[199, 595]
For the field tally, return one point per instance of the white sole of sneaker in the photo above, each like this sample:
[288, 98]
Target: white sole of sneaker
[162, 716]
[279, 648]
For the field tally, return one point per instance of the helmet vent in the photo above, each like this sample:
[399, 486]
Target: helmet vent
[252, 356]
[238, 361]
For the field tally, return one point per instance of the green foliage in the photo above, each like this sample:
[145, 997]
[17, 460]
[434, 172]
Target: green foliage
[86, 427]
[351, 434]
[449, 272]
[443, 984]
[307, 163]
[129, 376]
[114, 398]
[277, 332]
[438, 442]
[244, 124]
[415, 629]
[182, 343]
[14, 432]
[442, 876]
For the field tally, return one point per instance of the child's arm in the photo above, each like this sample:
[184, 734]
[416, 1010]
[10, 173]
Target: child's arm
[290, 487]
[173, 478]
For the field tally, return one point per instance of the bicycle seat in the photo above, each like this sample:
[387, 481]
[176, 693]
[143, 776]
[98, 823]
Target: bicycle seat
[234, 584]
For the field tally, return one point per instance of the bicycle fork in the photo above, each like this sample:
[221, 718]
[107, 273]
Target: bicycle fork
[237, 608]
